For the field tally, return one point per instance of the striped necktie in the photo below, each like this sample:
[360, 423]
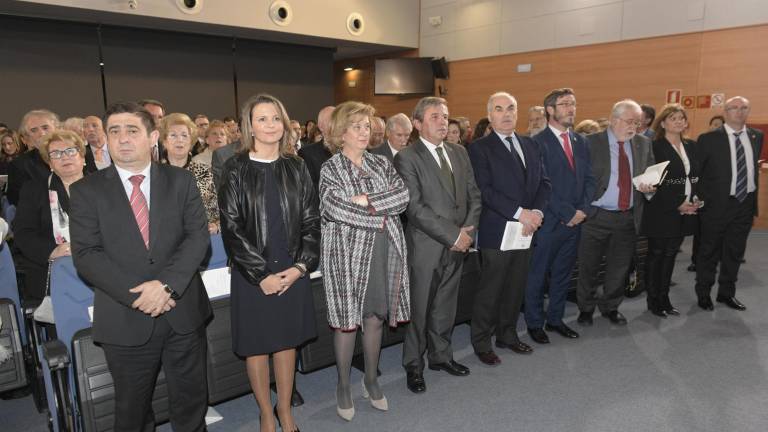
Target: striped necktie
[741, 169]
[140, 208]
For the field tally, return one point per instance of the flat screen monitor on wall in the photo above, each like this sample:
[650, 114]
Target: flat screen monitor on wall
[404, 76]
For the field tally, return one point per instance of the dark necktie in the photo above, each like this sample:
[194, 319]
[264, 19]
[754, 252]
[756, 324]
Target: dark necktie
[514, 152]
[741, 169]
[445, 169]
[140, 208]
[625, 178]
[568, 149]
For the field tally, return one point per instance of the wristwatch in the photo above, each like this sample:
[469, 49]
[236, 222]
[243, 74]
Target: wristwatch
[301, 267]
[169, 290]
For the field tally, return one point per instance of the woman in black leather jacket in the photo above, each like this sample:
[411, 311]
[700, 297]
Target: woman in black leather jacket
[271, 231]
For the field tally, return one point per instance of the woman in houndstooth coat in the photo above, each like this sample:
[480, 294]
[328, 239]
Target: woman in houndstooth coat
[363, 251]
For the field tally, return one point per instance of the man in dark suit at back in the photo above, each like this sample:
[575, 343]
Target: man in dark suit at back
[35, 125]
[566, 160]
[139, 235]
[315, 154]
[397, 131]
[728, 184]
[442, 214]
[514, 187]
[618, 154]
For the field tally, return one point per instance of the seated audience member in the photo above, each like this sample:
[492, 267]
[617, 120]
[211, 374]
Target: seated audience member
[716, 122]
[96, 139]
[41, 226]
[646, 120]
[454, 132]
[233, 129]
[215, 137]
[74, 124]
[10, 148]
[603, 122]
[177, 133]
[202, 123]
[466, 129]
[397, 131]
[377, 132]
[3, 127]
[482, 128]
[316, 153]
[587, 127]
[361, 197]
[296, 135]
[35, 125]
[271, 231]
[157, 110]
[537, 120]
[309, 126]
[671, 213]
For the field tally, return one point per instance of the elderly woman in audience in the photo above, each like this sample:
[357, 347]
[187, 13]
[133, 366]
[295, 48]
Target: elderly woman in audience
[587, 127]
[671, 213]
[10, 148]
[216, 137]
[177, 133]
[271, 231]
[455, 132]
[364, 260]
[41, 226]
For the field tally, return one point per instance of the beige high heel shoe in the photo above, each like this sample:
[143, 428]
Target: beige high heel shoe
[346, 413]
[379, 404]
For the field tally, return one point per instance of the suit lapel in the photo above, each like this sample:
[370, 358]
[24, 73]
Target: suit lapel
[637, 156]
[499, 150]
[157, 203]
[432, 165]
[121, 205]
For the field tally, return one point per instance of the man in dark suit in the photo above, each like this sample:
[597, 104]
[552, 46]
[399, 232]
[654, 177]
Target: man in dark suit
[315, 154]
[139, 235]
[566, 160]
[35, 125]
[613, 220]
[443, 212]
[93, 128]
[397, 131]
[219, 159]
[728, 186]
[514, 187]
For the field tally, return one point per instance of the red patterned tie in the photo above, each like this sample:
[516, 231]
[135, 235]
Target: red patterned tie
[139, 207]
[568, 149]
[625, 188]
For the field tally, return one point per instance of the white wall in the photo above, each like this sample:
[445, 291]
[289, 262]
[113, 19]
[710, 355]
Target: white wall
[480, 28]
[387, 22]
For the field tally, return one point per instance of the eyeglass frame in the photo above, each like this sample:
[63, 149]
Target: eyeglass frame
[58, 154]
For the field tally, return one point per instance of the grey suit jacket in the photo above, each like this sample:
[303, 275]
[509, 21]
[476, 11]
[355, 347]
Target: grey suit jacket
[219, 158]
[434, 215]
[385, 151]
[642, 157]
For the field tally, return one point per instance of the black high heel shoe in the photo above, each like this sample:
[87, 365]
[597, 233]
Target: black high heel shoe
[279, 423]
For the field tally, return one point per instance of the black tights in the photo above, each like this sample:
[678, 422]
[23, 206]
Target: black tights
[660, 264]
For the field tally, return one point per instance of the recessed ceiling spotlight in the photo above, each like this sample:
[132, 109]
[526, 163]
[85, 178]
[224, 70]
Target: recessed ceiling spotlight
[349, 69]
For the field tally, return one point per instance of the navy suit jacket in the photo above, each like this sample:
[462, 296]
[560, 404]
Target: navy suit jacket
[504, 186]
[571, 190]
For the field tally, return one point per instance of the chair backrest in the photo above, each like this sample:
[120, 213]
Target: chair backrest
[9, 288]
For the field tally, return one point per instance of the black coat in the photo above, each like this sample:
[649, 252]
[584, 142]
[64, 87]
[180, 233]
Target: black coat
[660, 215]
[314, 156]
[244, 219]
[31, 166]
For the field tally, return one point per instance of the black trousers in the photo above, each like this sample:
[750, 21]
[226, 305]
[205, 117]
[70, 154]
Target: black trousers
[660, 262]
[723, 241]
[611, 235]
[504, 276]
[134, 372]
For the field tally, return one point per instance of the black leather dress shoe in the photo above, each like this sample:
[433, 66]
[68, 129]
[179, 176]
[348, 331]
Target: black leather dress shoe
[518, 347]
[538, 335]
[671, 310]
[415, 382]
[563, 330]
[489, 357]
[692, 268]
[452, 367]
[706, 303]
[585, 318]
[615, 317]
[731, 302]
[658, 312]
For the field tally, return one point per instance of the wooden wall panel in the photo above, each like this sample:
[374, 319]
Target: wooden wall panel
[729, 61]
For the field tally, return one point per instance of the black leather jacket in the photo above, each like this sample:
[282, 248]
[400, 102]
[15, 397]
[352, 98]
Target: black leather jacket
[243, 214]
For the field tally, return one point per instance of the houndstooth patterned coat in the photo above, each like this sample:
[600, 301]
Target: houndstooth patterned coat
[348, 232]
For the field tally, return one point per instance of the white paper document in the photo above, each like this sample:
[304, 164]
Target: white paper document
[217, 282]
[513, 237]
[653, 175]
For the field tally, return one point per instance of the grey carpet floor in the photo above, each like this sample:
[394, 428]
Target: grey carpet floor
[701, 371]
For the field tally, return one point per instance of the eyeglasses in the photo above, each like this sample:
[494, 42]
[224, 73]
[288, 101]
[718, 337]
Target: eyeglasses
[567, 104]
[58, 154]
[630, 122]
[741, 108]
